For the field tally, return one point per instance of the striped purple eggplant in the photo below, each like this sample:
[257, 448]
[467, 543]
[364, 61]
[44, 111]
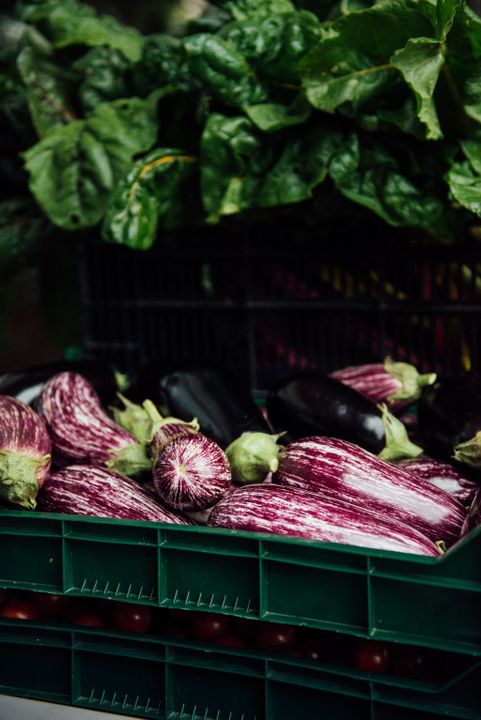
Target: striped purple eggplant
[82, 432]
[299, 513]
[191, 473]
[395, 383]
[341, 470]
[168, 430]
[25, 452]
[95, 491]
[444, 476]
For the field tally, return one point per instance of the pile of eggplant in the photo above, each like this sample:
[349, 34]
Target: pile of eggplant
[329, 459]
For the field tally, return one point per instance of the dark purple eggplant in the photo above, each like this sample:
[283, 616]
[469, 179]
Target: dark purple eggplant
[191, 473]
[82, 432]
[97, 492]
[298, 513]
[450, 419]
[396, 383]
[341, 470]
[443, 475]
[223, 408]
[311, 403]
[27, 384]
[25, 452]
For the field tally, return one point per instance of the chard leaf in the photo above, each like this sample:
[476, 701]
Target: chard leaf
[270, 117]
[230, 150]
[420, 62]
[223, 71]
[371, 176]
[350, 65]
[463, 66]
[163, 62]
[74, 169]
[69, 22]
[48, 91]
[441, 14]
[275, 45]
[146, 195]
[464, 178]
[105, 77]
[302, 166]
[245, 9]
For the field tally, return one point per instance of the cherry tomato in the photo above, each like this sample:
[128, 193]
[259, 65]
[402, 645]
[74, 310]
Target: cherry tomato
[78, 606]
[19, 610]
[208, 626]
[130, 618]
[49, 606]
[408, 661]
[370, 655]
[230, 641]
[275, 637]
[88, 619]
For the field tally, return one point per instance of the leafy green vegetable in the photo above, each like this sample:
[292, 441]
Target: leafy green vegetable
[69, 22]
[48, 91]
[146, 195]
[163, 62]
[420, 62]
[372, 176]
[73, 170]
[244, 9]
[230, 150]
[223, 71]
[270, 117]
[105, 72]
[351, 64]
[464, 178]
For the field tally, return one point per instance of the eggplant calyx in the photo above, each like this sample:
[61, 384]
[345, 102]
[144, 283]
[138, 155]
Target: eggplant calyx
[398, 445]
[133, 418]
[252, 456]
[131, 460]
[469, 452]
[18, 477]
[441, 545]
[412, 382]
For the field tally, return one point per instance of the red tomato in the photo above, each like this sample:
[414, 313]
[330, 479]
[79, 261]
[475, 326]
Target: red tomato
[88, 619]
[274, 637]
[76, 607]
[230, 641]
[19, 610]
[130, 618]
[49, 606]
[408, 662]
[208, 626]
[370, 655]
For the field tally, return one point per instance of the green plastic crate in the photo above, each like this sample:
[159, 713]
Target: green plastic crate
[418, 600]
[152, 677]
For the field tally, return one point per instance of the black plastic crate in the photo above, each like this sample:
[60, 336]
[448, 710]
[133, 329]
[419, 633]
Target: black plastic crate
[267, 300]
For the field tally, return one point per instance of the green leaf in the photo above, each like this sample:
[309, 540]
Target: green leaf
[163, 62]
[302, 166]
[463, 67]
[48, 91]
[245, 9]
[68, 22]
[105, 72]
[74, 169]
[441, 13]
[371, 176]
[275, 45]
[229, 151]
[22, 233]
[145, 195]
[270, 117]
[420, 62]
[350, 65]
[464, 178]
[223, 71]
